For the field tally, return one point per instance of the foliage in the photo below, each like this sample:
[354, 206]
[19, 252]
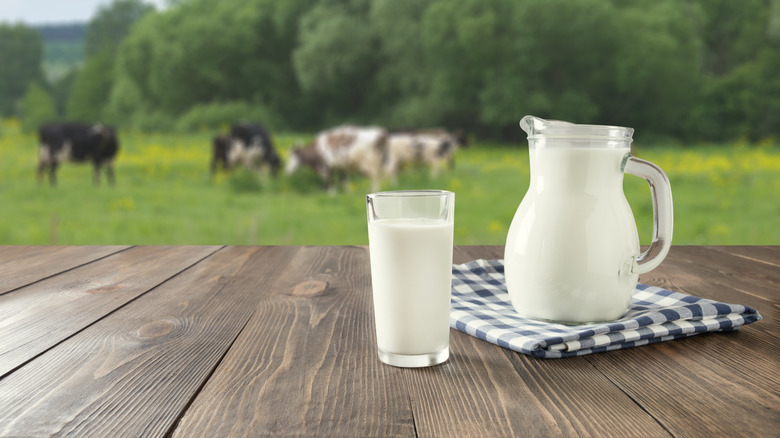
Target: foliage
[91, 89]
[696, 71]
[216, 116]
[112, 23]
[20, 57]
[204, 52]
[37, 107]
[335, 58]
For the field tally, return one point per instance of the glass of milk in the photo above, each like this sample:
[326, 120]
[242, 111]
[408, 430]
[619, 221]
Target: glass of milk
[410, 246]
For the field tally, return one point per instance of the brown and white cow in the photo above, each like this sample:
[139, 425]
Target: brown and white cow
[433, 148]
[339, 151]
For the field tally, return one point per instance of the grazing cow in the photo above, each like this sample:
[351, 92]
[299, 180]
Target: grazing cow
[428, 147]
[343, 150]
[251, 146]
[77, 142]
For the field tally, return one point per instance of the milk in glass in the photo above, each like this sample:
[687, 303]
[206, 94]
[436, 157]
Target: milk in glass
[411, 271]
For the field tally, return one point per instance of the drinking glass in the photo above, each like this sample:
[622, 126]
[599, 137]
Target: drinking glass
[410, 235]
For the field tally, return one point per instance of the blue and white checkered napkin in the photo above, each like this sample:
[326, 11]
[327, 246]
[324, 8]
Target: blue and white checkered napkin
[481, 308]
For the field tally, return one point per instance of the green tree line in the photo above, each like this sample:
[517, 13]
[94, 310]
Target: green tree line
[695, 70]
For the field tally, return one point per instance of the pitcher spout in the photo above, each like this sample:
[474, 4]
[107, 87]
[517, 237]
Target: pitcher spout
[558, 131]
[534, 126]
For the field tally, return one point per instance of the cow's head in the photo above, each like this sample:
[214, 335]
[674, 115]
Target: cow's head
[461, 139]
[304, 156]
[294, 161]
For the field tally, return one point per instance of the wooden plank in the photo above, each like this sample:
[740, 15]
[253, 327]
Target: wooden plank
[715, 377]
[721, 276]
[306, 364]
[37, 317]
[759, 253]
[697, 394]
[134, 372]
[467, 253]
[729, 275]
[23, 265]
[712, 383]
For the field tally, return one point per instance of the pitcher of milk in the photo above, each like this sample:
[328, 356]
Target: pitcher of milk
[572, 252]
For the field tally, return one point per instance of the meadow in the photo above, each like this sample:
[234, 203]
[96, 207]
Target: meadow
[723, 194]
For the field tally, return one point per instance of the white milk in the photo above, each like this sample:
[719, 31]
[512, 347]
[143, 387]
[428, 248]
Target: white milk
[572, 242]
[411, 271]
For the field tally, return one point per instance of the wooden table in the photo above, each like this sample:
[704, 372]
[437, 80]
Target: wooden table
[279, 341]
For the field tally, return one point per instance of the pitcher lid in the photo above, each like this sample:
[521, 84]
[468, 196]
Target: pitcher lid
[536, 127]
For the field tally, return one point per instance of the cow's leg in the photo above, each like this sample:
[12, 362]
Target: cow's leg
[344, 181]
[53, 173]
[44, 161]
[41, 170]
[96, 174]
[110, 173]
[435, 168]
[328, 177]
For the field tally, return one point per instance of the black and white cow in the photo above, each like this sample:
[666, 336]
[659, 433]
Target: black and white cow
[79, 143]
[251, 146]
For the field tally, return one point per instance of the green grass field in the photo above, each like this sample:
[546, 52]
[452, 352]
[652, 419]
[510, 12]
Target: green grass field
[723, 194]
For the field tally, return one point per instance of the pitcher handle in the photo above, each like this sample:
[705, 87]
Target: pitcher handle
[661, 192]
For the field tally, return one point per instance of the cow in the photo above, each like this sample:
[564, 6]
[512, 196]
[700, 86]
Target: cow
[342, 150]
[77, 142]
[433, 148]
[251, 146]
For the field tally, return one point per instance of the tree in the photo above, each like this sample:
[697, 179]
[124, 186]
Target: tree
[91, 90]
[663, 67]
[205, 52]
[741, 87]
[37, 107]
[591, 62]
[21, 51]
[112, 23]
[335, 59]
[403, 74]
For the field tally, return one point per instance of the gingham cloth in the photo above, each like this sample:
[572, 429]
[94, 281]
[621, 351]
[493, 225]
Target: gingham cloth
[481, 308]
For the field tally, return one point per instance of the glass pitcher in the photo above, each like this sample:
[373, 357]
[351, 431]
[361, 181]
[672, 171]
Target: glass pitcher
[572, 253]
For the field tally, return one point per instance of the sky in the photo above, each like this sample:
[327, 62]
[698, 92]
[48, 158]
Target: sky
[53, 11]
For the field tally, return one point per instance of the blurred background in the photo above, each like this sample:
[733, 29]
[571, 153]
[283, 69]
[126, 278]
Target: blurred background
[697, 79]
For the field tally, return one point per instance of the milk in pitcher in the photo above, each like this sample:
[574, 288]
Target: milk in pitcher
[574, 239]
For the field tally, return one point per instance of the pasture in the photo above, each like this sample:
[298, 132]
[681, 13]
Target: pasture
[723, 194]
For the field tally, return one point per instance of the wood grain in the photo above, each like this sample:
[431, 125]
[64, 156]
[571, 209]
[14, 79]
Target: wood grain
[723, 276]
[279, 341]
[22, 265]
[693, 393]
[134, 372]
[34, 318]
[306, 363]
[708, 383]
[519, 395]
